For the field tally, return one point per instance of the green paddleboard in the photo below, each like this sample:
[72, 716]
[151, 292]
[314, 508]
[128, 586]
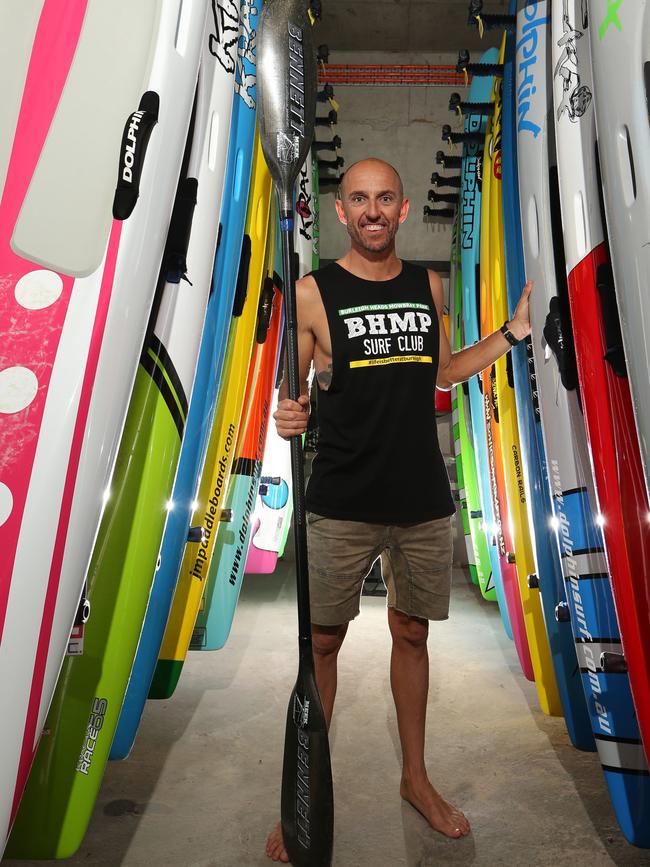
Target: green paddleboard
[73, 751]
[455, 342]
[480, 569]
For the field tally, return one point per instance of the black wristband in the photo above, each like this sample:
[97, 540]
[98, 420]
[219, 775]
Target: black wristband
[509, 336]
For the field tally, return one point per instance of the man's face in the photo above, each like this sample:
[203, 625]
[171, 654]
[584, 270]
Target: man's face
[372, 206]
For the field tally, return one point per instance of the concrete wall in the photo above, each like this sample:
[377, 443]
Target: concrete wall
[403, 25]
[403, 126]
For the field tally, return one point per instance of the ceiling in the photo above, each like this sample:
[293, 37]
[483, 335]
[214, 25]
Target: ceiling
[403, 25]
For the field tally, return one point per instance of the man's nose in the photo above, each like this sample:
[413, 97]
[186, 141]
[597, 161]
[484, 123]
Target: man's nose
[372, 209]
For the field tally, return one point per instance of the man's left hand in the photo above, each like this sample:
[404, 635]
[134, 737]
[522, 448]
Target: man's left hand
[520, 322]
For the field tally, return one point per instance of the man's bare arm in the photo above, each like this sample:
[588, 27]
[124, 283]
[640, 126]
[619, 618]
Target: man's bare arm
[455, 367]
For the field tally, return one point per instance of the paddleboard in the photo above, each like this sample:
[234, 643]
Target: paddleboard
[78, 287]
[303, 233]
[620, 47]
[227, 567]
[548, 577]
[511, 457]
[256, 255]
[234, 30]
[590, 606]
[272, 514]
[305, 265]
[502, 528]
[613, 444]
[186, 322]
[463, 436]
[454, 336]
[471, 169]
[272, 519]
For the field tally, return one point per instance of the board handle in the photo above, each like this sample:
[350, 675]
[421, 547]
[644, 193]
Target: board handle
[133, 150]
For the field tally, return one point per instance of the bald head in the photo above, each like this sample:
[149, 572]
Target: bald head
[371, 205]
[357, 175]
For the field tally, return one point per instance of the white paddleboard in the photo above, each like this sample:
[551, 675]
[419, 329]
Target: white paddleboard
[620, 49]
[273, 506]
[81, 103]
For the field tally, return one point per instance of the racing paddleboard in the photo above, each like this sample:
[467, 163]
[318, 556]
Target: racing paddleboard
[620, 56]
[256, 256]
[614, 447]
[186, 321]
[235, 36]
[272, 511]
[465, 459]
[227, 566]
[471, 170]
[303, 234]
[590, 606]
[454, 336]
[508, 427]
[124, 559]
[78, 287]
[548, 577]
[502, 528]
[272, 514]
[64, 781]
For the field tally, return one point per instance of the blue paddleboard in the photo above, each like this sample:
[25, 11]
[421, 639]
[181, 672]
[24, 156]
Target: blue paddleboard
[549, 571]
[589, 601]
[206, 383]
[226, 573]
[470, 221]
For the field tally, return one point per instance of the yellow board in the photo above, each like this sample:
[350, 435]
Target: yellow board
[540, 654]
[223, 436]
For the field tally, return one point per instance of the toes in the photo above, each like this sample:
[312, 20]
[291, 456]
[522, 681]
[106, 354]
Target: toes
[273, 848]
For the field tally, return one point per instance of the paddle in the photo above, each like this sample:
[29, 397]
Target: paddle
[286, 90]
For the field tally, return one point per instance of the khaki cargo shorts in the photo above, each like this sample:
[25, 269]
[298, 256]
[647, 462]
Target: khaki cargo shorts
[415, 561]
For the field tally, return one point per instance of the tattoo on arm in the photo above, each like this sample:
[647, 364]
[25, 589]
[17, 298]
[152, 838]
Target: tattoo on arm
[324, 377]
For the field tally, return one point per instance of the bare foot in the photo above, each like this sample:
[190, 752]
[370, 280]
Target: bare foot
[442, 817]
[275, 845]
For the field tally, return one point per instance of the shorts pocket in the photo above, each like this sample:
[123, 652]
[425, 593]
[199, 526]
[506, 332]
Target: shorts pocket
[340, 549]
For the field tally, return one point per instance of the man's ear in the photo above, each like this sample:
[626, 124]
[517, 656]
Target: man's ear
[404, 210]
[340, 211]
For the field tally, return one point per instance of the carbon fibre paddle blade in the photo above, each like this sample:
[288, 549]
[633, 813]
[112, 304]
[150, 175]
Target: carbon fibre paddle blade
[286, 81]
[307, 798]
[286, 89]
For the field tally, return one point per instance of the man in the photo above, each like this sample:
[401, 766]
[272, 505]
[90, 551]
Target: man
[371, 325]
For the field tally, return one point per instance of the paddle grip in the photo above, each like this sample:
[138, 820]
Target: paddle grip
[297, 465]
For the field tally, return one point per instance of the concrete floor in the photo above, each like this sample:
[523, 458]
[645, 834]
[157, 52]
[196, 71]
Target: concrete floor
[201, 787]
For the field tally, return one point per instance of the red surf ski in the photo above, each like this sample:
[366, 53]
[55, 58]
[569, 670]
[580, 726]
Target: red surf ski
[604, 387]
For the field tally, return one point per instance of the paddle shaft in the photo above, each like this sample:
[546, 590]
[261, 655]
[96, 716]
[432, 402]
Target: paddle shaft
[297, 463]
[307, 806]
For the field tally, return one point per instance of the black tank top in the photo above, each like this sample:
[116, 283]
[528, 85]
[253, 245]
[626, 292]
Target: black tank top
[378, 456]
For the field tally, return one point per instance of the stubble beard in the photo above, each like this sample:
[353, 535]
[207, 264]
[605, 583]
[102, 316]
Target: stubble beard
[356, 234]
